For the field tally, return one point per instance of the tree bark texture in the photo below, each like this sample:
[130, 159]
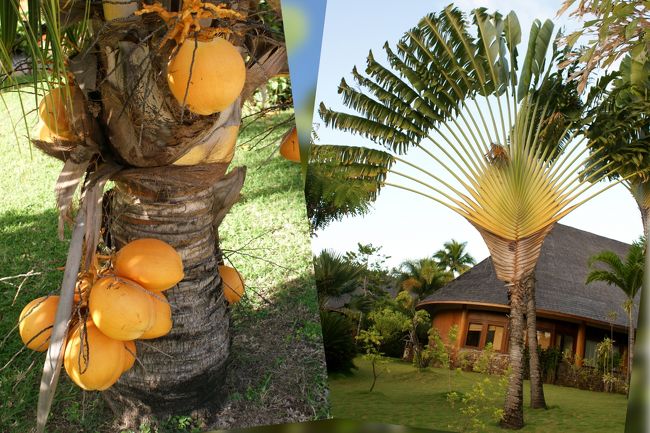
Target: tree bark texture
[184, 370]
[537, 400]
[630, 344]
[513, 416]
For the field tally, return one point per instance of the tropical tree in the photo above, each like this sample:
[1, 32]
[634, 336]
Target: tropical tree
[454, 258]
[618, 130]
[335, 276]
[498, 133]
[627, 275]
[418, 279]
[125, 125]
[615, 28]
[422, 277]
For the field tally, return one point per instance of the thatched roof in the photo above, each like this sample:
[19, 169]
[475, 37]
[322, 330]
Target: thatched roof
[561, 274]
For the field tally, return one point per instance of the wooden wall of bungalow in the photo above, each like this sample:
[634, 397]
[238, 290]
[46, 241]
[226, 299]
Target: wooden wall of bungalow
[479, 324]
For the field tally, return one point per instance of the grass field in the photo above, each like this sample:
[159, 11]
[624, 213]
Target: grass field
[277, 371]
[405, 396]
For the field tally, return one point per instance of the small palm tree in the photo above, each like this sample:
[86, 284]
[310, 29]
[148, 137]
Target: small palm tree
[335, 276]
[625, 274]
[422, 277]
[454, 258]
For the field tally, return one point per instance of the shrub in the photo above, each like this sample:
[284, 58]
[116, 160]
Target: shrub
[338, 340]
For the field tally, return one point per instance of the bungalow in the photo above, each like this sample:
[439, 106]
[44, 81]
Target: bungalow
[571, 315]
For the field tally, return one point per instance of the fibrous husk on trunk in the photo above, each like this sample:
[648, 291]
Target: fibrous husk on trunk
[183, 371]
[514, 259]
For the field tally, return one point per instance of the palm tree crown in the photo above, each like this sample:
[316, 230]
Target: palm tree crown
[626, 274]
[422, 277]
[454, 258]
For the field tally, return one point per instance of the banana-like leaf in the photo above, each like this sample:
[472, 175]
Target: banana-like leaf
[343, 180]
[512, 163]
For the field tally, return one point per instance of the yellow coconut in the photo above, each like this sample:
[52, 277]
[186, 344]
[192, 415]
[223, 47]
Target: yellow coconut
[53, 111]
[233, 284]
[120, 308]
[36, 321]
[94, 362]
[220, 152]
[290, 148]
[163, 318]
[216, 77]
[115, 9]
[152, 263]
[129, 356]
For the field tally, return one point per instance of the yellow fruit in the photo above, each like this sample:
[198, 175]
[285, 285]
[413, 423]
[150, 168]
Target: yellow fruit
[152, 263]
[120, 308]
[53, 111]
[163, 318]
[115, 9]
[222, 151]
[97, 365]
[233, 284]
[129, 356]
[36, 321]
[290, 148]
[216, 77]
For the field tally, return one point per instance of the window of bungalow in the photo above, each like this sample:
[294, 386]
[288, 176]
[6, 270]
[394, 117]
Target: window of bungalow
[474, 331]
[564, 342]
[544, 339]
[590, 353]
[495, 336]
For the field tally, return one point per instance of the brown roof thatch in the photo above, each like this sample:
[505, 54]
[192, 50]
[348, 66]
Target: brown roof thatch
[561, 274]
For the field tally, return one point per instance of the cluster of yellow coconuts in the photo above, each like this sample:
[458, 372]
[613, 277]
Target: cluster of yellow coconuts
[122, 305]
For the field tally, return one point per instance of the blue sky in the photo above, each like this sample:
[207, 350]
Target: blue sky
[406, 225]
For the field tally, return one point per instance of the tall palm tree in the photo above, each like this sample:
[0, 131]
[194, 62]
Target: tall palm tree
[493, 139]
[627, 275]
[454, 258]
[619, 130]
[335, 276]
[128, 127]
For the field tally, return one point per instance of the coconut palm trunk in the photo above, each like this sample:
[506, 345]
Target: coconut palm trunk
[513, 416]
[537, 400]
[185, 369]
[630, 341]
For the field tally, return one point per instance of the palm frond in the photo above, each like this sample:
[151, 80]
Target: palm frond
[343, 180]
[513, 169]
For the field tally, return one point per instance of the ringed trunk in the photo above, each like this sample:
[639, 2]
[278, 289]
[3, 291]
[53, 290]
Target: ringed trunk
[630, 345]
[184, 370]
[513, 416]
[537, 400]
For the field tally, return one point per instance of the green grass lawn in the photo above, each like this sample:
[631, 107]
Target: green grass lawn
[277, 370]
[418, 399]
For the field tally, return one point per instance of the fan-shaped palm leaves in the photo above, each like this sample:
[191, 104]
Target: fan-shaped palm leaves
[491, 139]
[454, 258]
[627, 275]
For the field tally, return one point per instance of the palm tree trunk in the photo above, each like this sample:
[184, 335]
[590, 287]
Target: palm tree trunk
[183, 371]
[537, 400]
[513, 416]
[630, 344]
